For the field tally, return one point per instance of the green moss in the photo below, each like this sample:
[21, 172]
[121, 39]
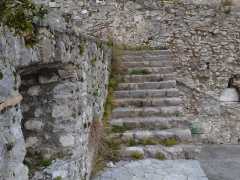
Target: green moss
[139, 72]
[20, 17]
[160, 156]
[166, 142]
[119, 129]
[169, 142]
[93, 61]
[58, 178]
[1, 75]
[137, 155]
[45, 162]
[97, 93]
[81, 49]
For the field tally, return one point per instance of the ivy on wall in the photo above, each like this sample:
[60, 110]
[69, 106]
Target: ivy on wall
[20, 17]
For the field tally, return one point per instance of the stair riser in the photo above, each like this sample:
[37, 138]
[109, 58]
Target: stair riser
[146, 53]
[148, 70]
[160, 85]
[132, 113]
[138, 64]
[142, 103]
[145, 94]
[157, 137]
[146, 58]
[152, 152]
[148, 78]
[151, 125]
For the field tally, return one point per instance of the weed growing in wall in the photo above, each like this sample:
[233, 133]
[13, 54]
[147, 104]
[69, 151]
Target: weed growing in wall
[20, 16]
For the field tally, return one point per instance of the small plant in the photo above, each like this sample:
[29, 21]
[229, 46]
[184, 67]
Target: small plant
[132, 142]
[120, 129]
[93, 61]
[139, 72]
[226, 5]
[149, 142]
[169, 142]
[1, 75]
[137, 155]
[96, 93]
[160, 156]
[45, 162]
[81, 49]
[19, 16]
[58, 178]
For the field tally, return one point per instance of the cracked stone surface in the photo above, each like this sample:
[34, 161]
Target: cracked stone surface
[151, 169]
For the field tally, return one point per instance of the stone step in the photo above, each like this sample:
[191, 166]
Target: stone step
[140, 58]
[181, 151]
[140, 102]
[166, 137]
[146, 53]
[148, 70]
[149, 123]
[147, 85]
[148, 78]
[146, 63]
[122, 112]
[147, 93]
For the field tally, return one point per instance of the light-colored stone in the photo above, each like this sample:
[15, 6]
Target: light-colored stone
[229, 95]
[31, 141]
[67, 140]
[34, 125]
[34, 91]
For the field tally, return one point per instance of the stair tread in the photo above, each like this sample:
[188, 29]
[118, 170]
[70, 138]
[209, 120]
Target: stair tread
[148, 119]
[144, 52]
[148, 78]
[150, 122]
[179, 151]
[150, 75]
[182, 134]
[147, 85]
[124, 109]
[145, 63]
[147, 101]
[147, 93]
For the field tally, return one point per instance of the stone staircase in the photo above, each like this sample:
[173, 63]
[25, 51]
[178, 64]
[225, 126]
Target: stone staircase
[148, 118]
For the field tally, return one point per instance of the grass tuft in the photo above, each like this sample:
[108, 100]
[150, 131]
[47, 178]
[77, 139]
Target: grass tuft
[137, 155]
[160, 156]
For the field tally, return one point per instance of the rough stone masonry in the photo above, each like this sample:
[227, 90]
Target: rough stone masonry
[63, 80]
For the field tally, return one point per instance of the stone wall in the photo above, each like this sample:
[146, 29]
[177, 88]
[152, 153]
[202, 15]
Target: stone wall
[63, 81]
[205, 41]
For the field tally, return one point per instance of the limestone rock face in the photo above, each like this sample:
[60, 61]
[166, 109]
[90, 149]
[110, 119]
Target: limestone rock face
[229, 95]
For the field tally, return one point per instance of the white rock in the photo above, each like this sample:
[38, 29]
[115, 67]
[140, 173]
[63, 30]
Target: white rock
[34, 91]
[229, 95]
[31, 141]
[61, 111]
[84, 11]
[38, 112]
[53, 5]
[67, 140]
[34, 125]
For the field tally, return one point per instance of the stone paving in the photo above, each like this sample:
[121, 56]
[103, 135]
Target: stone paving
[150, 169]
